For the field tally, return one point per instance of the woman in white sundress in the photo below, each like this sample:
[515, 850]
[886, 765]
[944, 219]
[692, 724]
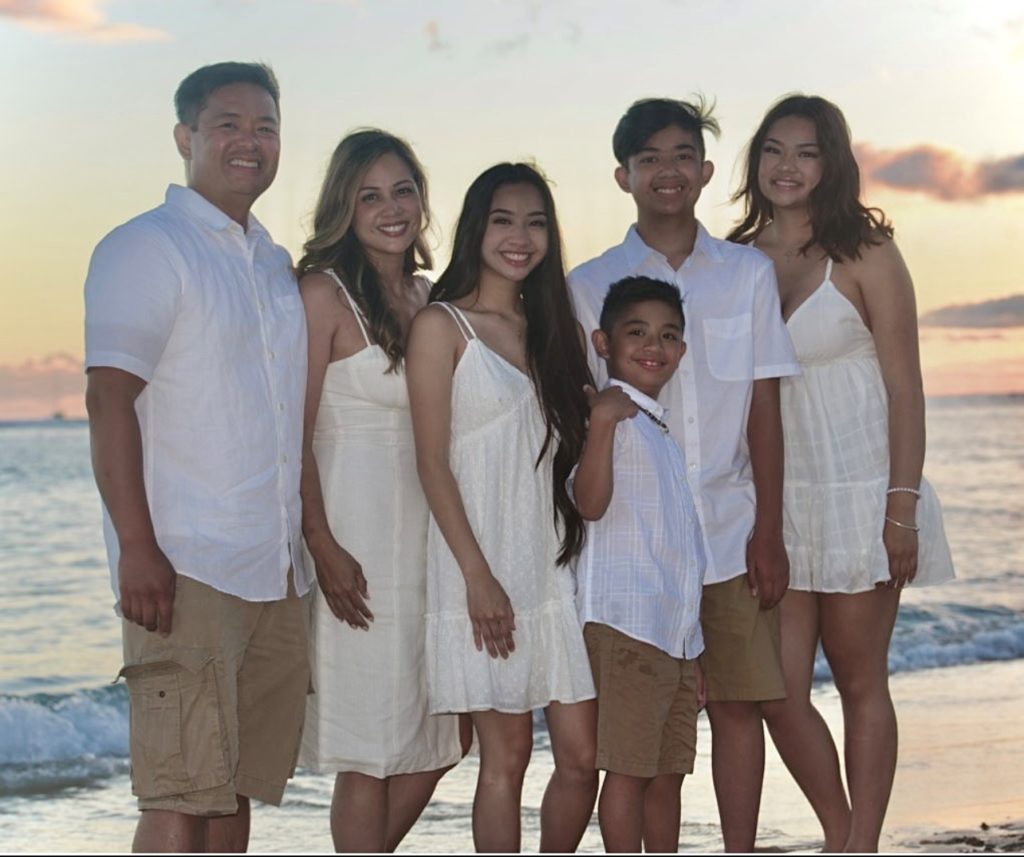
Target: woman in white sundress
[496, 372]
[860, 522]
[364, 513]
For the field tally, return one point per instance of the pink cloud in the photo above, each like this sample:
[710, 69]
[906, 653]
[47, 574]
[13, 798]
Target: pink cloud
[39, 388]
[82, 19]
[939, 172]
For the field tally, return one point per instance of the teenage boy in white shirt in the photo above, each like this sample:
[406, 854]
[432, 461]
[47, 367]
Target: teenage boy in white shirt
[640, 573]
[723, 409]
[196, 358]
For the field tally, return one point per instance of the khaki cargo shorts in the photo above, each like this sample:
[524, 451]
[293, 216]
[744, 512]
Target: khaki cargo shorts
[217, 708]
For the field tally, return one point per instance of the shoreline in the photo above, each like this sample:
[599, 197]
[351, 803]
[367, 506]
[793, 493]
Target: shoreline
[957, 788]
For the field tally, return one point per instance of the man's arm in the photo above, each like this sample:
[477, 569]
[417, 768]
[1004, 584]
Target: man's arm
[145, 575]
[767, 563]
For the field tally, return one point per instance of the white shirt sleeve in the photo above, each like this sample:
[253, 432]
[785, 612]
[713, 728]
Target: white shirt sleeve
[774, 356]
[132, 298]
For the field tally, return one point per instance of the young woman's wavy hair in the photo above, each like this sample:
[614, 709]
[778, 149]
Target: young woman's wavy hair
[840, 224]
[554, 353]
[334, 245]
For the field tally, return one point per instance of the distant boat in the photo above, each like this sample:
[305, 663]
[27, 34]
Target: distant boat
[58, 416]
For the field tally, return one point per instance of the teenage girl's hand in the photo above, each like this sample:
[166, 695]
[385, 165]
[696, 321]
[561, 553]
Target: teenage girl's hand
[901, 546]
[612, 404]
[702, 689]
[342, 583]
[491, 613]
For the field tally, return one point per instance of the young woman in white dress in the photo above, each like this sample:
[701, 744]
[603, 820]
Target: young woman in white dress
[496, 372]
[364, 513]
[860, 523]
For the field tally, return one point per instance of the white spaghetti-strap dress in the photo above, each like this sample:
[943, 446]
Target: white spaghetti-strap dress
[836, 426]
[497, 431]
[369, 710]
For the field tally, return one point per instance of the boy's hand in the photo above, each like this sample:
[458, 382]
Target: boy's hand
[611, 405]
[702, 689]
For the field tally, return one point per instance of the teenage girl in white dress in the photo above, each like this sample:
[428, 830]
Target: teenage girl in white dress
[860, 523]
[496, 372]
[364, 513]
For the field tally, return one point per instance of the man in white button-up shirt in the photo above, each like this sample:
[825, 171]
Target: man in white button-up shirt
[196, 360]
[723, 407]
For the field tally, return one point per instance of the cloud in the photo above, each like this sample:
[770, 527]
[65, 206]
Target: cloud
[82, 19]
[39, 388]
[1001, 312]
[940, 173]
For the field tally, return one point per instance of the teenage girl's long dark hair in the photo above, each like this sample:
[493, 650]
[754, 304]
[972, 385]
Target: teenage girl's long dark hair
[554, 353]
[840, 224]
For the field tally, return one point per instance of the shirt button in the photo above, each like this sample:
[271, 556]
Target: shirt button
[284, 459]
[280, 406]
[271, 354]
[262, 306]
[693, 467]
[690, 420]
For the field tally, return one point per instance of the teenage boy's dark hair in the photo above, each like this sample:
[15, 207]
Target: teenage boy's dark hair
[631, 291]
[650, 115]
[194, 90]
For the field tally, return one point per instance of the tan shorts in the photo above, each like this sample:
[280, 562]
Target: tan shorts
[742, 657]
[217, 708]
[646, 705]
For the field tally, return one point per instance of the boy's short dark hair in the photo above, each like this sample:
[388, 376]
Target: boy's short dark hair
[630, 291]
[194, 90]
[648, 116]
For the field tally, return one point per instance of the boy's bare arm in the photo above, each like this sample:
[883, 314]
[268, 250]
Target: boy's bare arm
[767, 563]
[593, 483]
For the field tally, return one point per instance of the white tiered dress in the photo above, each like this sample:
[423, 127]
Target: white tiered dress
[497, 431]
[836, 426]
[369, 711]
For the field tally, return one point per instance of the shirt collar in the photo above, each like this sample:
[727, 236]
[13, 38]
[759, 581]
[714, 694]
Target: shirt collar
[641, 399]
[194, 204]
[637, 252]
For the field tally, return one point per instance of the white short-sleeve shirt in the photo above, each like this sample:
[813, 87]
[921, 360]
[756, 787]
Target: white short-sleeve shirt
[210, 317]
[642, 565]
[734, 335]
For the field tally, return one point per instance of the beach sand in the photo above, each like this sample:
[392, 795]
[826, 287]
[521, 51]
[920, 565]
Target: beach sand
[959, 784]
[958, 788]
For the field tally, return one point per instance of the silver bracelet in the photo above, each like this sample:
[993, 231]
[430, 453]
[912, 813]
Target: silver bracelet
[901, 525]
[901, 490]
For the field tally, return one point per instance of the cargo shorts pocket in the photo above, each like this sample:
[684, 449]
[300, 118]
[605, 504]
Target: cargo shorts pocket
[178, 740]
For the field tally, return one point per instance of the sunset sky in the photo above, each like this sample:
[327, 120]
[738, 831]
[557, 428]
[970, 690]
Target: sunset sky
[932, 90]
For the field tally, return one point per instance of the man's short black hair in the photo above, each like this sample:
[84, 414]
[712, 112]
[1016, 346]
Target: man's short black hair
[630, 291]
[194, 91]
[648, 116]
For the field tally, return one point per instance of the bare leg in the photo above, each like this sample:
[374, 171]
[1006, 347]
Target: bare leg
[506, 742]
[661, 814]
[163, 831]
[359, 813]
[737, 769]
[620, 813]
[855, 633]
[798, 730]
[229, 834]
[407, 797]
[569, 798]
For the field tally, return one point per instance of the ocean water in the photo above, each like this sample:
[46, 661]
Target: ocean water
[64, 725]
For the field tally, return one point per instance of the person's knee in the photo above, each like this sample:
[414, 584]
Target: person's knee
[734, 716]
[508, 760]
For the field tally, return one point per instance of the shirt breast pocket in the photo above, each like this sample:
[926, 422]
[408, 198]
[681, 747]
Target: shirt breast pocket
[730, 347]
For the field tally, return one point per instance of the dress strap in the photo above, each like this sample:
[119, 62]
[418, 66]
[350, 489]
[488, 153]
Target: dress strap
[465, 328]
[828, 270]
[358, 313]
